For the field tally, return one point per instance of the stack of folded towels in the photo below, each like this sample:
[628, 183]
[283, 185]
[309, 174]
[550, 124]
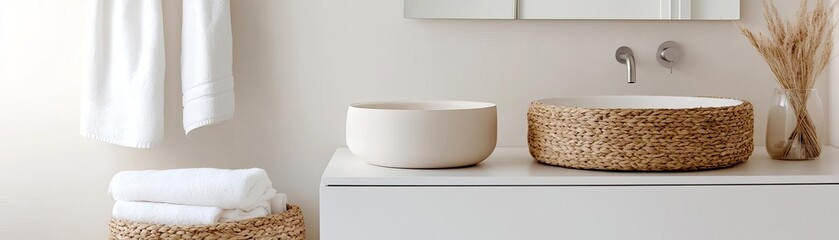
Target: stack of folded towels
[194, 196]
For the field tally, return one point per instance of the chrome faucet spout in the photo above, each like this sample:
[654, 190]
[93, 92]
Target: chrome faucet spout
[624, 56]
[630, 68]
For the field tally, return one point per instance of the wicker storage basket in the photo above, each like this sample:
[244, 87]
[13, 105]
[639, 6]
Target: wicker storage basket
[286, 226]
[641, 139]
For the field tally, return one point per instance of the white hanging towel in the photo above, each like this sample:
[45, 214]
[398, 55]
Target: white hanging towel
[122, 97]
[206, 63]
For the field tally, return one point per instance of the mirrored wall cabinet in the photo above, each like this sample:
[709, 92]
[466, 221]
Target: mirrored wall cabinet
[574, 9]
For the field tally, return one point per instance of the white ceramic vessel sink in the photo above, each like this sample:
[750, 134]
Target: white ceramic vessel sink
[641, 102]
[422, 134]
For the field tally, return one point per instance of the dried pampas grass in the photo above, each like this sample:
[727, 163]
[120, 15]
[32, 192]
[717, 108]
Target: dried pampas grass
[797, 52]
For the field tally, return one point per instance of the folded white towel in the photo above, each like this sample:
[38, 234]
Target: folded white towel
[206, 63]
[277, 204]
[163, 213]
[122, 94]
[262, 209]
[227, 189]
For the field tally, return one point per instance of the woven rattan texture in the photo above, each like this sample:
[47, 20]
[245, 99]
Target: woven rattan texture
[285, 226]
[641, 139]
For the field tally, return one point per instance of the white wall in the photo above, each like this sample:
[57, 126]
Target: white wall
[298, 64]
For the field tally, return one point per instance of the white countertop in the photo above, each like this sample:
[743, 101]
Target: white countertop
[513, 166]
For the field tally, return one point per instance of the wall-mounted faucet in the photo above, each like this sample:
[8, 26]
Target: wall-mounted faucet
[624, 56]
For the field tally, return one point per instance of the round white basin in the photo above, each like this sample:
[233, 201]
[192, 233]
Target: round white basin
[641, 102]
[422, 134]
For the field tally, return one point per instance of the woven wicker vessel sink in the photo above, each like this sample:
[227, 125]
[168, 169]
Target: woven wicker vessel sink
[641, 133]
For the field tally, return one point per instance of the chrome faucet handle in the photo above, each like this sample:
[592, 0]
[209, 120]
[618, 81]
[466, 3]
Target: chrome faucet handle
[668, 54]
[624, 56]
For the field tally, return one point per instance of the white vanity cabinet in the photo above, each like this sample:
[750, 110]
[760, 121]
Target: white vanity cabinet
[511, 196]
